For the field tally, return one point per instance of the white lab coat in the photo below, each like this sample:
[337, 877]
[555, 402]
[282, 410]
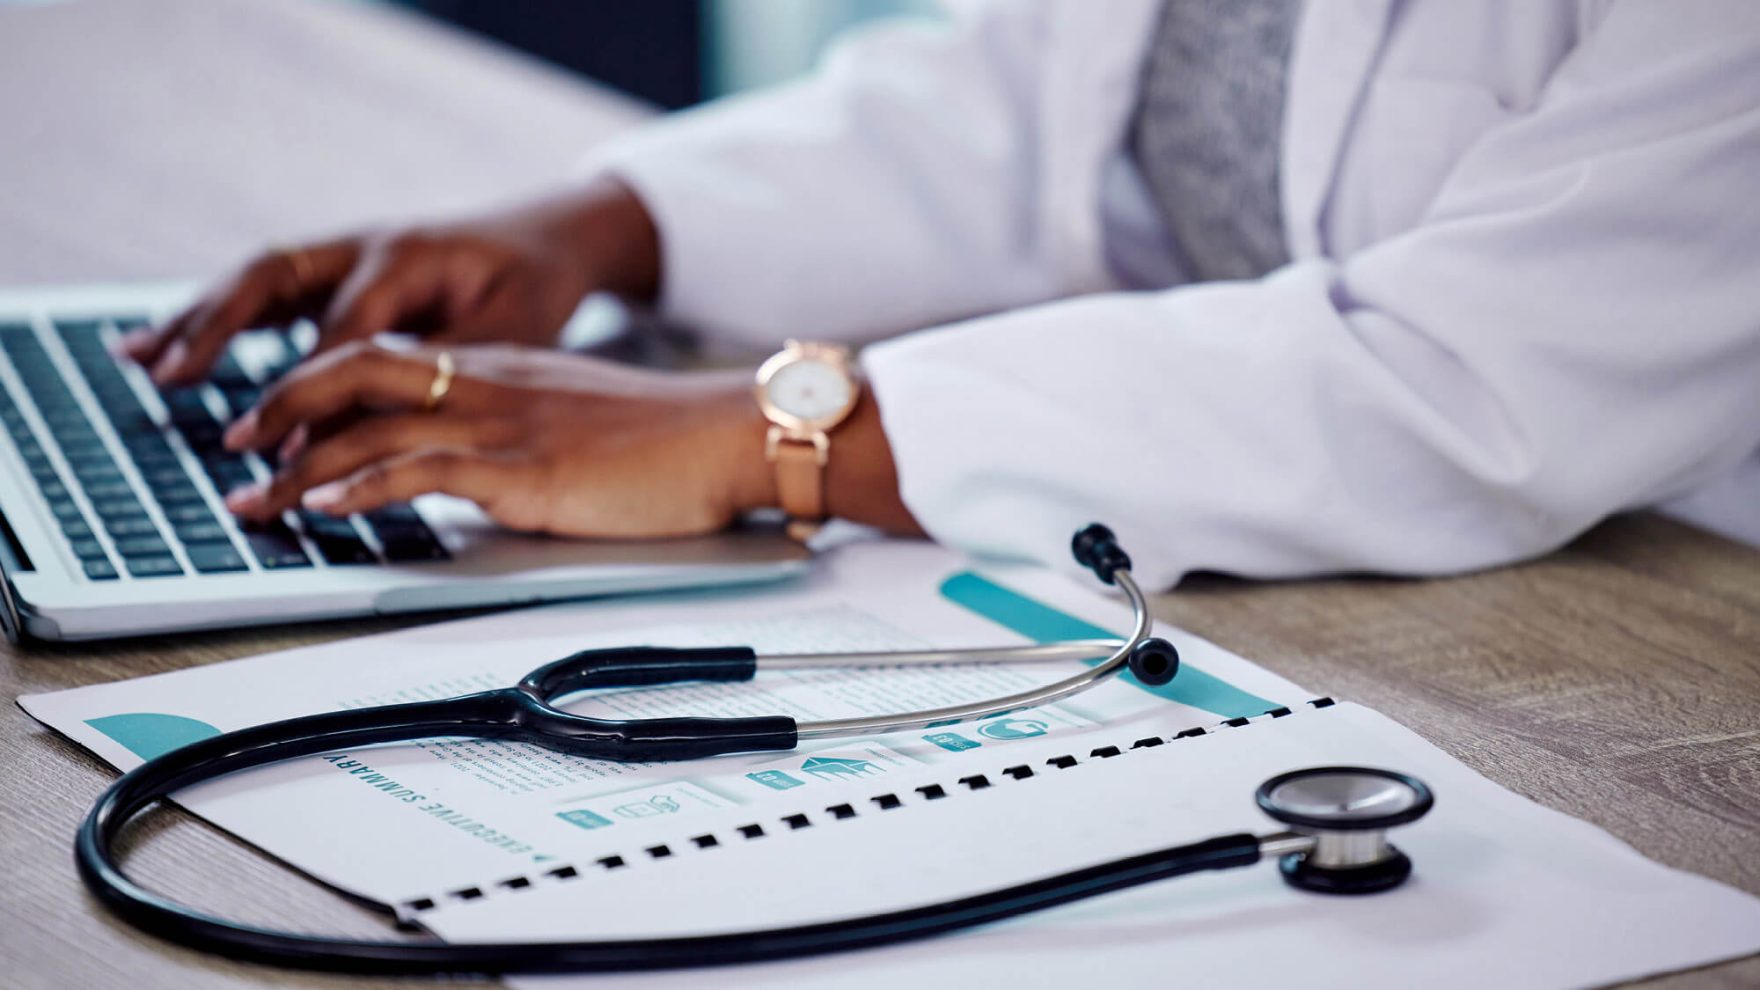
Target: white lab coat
[1525, 291]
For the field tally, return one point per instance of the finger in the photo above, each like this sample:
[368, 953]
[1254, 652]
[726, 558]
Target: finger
[361, 375]
[271, 290]
[399, 283]
[475, 476]
[380, 438]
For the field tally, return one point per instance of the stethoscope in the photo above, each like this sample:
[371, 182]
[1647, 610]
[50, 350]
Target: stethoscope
[1336, 816]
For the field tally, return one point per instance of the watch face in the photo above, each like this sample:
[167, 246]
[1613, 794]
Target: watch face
[810, 390]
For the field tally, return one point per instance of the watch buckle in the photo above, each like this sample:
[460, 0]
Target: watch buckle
[776, 436]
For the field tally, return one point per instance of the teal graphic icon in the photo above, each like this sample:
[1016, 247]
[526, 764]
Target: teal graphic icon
[585, 819]
[659, 804]
[953, 742]
[150, 734]
[775, 779]
[835, 767]
[1013, 728]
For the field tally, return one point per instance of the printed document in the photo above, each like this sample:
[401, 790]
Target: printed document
[427, 823]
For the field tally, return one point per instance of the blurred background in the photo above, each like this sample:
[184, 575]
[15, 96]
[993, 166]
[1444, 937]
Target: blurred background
[173, 139]
[671, 52]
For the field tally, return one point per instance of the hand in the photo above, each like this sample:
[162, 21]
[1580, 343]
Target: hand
[544, 442]
[515, 276]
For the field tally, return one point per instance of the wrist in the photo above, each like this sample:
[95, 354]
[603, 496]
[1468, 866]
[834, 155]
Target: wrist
[609, 238]
[749, 477]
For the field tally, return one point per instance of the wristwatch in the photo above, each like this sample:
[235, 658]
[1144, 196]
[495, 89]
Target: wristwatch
[805, 391]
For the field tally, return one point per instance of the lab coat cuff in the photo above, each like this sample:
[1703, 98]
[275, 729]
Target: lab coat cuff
[946, 446]
[705, 273]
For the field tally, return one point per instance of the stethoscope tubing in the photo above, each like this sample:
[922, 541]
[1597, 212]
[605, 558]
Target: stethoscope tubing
[179, 924]
[529, 712]
[874, 725]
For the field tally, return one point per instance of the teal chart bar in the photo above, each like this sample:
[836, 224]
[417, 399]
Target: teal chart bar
[1044, 624]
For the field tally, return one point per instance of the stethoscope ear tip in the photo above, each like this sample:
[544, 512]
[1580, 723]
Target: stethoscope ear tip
[1155, 661]
[1096, 548]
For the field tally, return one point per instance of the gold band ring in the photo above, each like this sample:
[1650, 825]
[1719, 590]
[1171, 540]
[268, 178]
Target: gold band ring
[444, 370]
[301, 263]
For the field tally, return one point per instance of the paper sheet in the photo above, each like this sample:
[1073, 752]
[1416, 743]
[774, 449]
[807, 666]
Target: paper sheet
[420, 825]
[1505, 893]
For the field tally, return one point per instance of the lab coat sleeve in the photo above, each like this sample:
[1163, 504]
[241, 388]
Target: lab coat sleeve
[891, 190]
[1573, 329]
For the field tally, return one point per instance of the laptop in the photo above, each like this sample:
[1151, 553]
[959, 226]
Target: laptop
[113, 523]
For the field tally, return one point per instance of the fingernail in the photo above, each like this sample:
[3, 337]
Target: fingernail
[295, 442]
[246, 497]
[325, 497]
[171, 362]
[133, 342]
[240, 432]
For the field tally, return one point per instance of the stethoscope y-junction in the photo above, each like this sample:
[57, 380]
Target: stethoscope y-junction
[1336, 816]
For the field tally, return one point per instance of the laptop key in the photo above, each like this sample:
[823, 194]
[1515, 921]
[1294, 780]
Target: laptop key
[241, 398]
[112, 508]
[228, 373]
[202, 437]
[229, 475]
[130, 526]
[187, 405]
[319, 524]
[345, 550]
[88, 549]
[412, 548]
[188, 513]
[83, 449]
[65, 416]
[66, 511]
[208, 531]
[213, 558]
[142, 567]
[395, 513]
[132, 422]
[142, 546]
[185, 493]
[103, 491]
[103, 472]
[76, 529]
[76, 331]
[144, 447]
[276, 547]
[99, 570]
[80, 460]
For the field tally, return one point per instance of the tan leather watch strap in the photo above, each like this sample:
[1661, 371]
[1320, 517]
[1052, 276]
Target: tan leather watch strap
[800, 480]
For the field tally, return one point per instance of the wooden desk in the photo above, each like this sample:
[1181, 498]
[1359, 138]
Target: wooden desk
[1616, 680]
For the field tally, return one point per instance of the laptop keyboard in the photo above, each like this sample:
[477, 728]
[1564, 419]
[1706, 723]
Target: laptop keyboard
[156, 518]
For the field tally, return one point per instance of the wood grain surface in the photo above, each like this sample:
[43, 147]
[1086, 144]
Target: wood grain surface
[1616, 680]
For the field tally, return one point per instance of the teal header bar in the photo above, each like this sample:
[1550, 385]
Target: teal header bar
[1042, 623]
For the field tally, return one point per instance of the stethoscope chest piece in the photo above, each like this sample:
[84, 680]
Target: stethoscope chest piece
[1344, 813]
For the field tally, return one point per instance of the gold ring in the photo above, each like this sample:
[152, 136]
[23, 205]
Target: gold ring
[301, 263]
[444, 369]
